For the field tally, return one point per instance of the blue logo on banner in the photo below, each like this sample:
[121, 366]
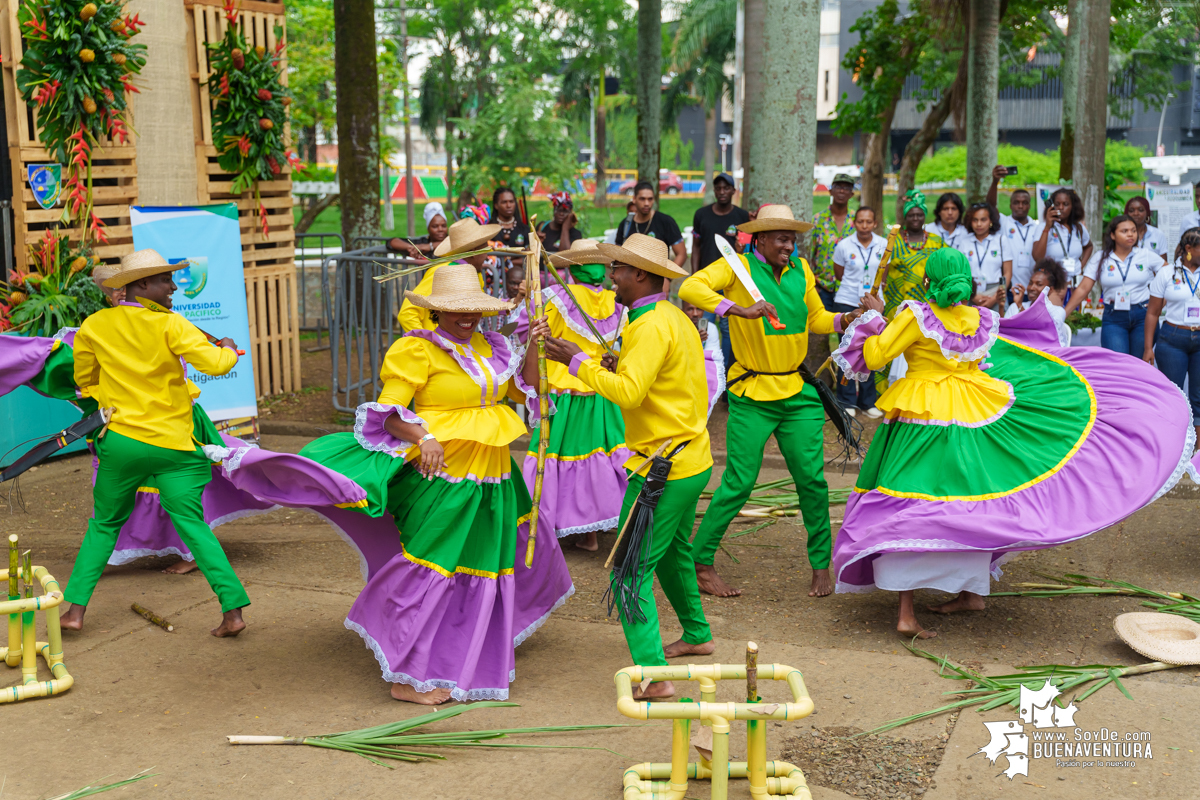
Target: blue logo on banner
[45, 181]
[192, 275]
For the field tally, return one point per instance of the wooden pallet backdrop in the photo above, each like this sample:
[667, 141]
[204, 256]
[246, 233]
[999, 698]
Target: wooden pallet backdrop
[114, 167]
[271, 291]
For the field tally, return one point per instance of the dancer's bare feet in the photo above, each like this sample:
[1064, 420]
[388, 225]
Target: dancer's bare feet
[434, 697]
[72, 620]
[682, 648]
[710, 582]
[181, 567]
[907, 625]
[231, 624]
[966, 601]
[589, 542]
[822, 583]
[655, 691]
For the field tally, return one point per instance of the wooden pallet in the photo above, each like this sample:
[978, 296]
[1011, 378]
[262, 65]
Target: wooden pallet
[269, 260]
[114, 166]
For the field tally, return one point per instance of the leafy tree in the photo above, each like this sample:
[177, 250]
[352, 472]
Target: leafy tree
[310, 73]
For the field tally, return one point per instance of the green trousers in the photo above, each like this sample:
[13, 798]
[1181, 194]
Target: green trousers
[671, 560]
[797, 423]
[180, 475]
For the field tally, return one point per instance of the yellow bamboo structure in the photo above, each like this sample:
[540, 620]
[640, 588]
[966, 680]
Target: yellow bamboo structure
[651, 781]
[533, 278]
[23, 647]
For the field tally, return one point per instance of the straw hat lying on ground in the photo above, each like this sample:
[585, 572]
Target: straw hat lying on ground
[1168, 638]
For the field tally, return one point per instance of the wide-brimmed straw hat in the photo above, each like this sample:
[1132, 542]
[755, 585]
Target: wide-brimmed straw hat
[644, 252]
[456, 289]
[583, 251]
[464, 236]
[1169, 638]
[775, 218]
[137, 265]
[102, 272]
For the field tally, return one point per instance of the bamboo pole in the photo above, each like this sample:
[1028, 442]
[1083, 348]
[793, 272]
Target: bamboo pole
[28, 629]
[533, 279]
[152, 617]
[13, 656]
[751, 672]
[645, 464]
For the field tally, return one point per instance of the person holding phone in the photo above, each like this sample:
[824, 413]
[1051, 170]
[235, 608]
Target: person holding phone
[1017, 226]
[560, 232]
[1062, 236]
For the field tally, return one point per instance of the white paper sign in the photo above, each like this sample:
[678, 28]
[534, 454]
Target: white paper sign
[1172, 203]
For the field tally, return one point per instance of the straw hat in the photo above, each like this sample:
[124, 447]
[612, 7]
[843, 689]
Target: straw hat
[1169, 638]
[102, 272]
[583, 251]
[644, 252]
[456, 289]
[774, 218]
[137, 265]
[464, 236]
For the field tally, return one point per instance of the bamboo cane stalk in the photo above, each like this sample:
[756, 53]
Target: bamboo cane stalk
[885, 260]
[751, 672]
[621, 534]
[152, 617]
[537, 311]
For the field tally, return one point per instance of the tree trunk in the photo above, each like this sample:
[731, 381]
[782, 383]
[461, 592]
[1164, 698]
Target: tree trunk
[649, 90]
[874, 164]
[1091, 113]
[983, 86]
[357, 116]
[1069, 72]
[449, 174]
[710, 148]
[755, 14]
[600, 198]
[917, 146]
[782, 107]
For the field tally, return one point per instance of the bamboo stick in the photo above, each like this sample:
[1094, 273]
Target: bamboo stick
[13, 656]
[533, 279]
[152, 617]
[587, 320]
[621, 534]
[28, 629]
[751, 672]
[885, 261]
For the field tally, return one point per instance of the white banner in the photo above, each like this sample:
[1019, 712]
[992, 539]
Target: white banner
[1169, 204]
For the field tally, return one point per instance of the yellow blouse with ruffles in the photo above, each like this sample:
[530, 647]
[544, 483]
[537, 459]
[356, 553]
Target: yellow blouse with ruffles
[935, 388]
[469, 421]
[598, 303]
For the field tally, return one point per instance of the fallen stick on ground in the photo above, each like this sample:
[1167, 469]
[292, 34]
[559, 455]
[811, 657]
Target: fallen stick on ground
[152, 617]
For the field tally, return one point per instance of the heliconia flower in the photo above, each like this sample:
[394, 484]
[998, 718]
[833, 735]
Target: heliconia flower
[46, 93]
[293, 160]
[224, 85]
[244, 146]
[108, 95]
[275, 170]
[39, 27]
[230, 8]
[97, 225]
[133, 23]
[129, 87]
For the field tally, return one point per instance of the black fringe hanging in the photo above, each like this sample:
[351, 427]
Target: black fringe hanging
[630, 574]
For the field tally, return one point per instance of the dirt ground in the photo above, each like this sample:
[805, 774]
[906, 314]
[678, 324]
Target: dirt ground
[145, 698]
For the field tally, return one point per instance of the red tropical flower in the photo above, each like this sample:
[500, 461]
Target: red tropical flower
[46, 93]
[244, 145]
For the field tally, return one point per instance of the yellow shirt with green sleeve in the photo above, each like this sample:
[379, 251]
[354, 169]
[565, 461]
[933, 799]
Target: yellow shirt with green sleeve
[414, 318]
[757, 346]
[659, 385]
[128, 358]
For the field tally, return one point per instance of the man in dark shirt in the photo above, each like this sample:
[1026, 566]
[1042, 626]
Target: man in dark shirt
[722, 217]
[655, 224]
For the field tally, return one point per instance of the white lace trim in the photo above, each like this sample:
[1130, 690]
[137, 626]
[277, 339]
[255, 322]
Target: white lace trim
[234, 461]
[839, 359]
[360, 422]
[429, 685]
[718, 357]
[560, 305]
[602, 525]
[937, 336]
[520, 638]
[125, 556]
[1184, 465]
[62, 333]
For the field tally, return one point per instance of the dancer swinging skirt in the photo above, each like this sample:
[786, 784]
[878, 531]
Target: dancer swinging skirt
[446, 603]
[767, 395]
[994, 444]
[584, 476]
[661, 388]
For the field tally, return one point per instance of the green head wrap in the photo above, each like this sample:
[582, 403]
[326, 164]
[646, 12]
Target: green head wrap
[588, 273]
[913, 199]
[949, 275]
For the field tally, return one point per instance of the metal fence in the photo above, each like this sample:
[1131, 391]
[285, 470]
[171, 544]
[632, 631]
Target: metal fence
[362, 319]
[312, 251]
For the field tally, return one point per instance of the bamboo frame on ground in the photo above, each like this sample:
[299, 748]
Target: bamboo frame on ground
[23, 649]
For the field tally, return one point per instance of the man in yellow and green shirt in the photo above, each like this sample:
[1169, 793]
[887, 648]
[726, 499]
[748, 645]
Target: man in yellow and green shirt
[128, 359]
[767, 395]
[659, 383]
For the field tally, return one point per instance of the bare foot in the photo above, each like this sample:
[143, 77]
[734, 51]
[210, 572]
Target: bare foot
[822, 583]
[181, 567]
[231, 624]
[966, 601]
[710, 582]
[72, 620]
[682, 648]
[434, 697]
[910, 628]
[655, 691]
[589, 542]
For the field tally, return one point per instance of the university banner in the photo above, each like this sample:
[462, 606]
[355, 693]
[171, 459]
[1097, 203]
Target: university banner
[206, 243]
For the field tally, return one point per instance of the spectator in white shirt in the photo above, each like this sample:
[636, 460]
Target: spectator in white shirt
[1062, 235]
[1124, 273]
[1192, 220]
[1017, 228]
[987, 251]
[1149, 237]
[1173, 294]
[948, 220]
[1047, 278]
[855, 262]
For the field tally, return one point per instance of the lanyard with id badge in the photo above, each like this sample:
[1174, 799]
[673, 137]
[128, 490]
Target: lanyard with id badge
[1121, 302]
[1191, 313]
[868, 278]
[1070, 264]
